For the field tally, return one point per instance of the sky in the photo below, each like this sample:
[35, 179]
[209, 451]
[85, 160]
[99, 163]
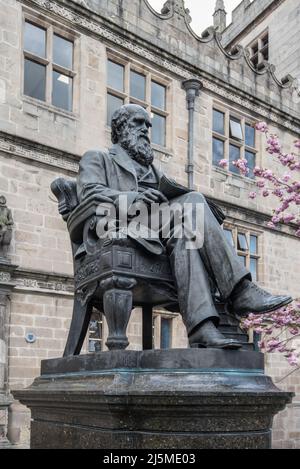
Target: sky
[201, 11]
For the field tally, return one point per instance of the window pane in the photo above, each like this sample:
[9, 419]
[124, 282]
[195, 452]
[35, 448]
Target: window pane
[35, 40]
[265, 40]
[62, 52]
[165, 333]
[243, 260]
[249, 136]
[115, 76]
[236, 129]
[137, 86]
[218, 151]
[218, 122]
[113, 103]
[229, 237]
[62, 92]
[242, 242]
[251, 158]
[95, 333]
[253, 244]
[265, 53]
[254, 268]
[234, 154]
[34, 80]
[254, 48]
[158, 95]
[158, 132]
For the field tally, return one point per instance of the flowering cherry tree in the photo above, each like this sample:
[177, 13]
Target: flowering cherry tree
[278, 330]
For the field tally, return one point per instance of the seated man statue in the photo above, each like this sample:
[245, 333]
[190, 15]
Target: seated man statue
[127, 169]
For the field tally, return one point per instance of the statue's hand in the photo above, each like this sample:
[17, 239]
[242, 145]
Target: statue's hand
[151, 196]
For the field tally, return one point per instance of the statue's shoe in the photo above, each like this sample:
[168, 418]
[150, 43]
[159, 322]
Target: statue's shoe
[250, 298]
[208, 336]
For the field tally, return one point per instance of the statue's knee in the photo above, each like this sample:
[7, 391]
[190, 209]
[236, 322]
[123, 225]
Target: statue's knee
[196, 197]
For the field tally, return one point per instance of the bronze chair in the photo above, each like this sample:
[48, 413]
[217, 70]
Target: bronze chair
[111, 275]
[114, 276]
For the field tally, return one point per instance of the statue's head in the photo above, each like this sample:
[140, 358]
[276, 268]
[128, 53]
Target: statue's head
[130, 128]
[2, 201]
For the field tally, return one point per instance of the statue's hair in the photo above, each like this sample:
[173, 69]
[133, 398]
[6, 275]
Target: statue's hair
[119, 118]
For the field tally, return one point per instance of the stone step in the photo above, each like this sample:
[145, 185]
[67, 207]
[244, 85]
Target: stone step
[240, 337]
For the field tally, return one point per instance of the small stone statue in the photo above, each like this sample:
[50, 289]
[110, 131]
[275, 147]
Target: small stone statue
[6, 224]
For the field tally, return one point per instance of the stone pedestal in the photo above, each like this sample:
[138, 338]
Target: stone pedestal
[5, 402]
[175, 399]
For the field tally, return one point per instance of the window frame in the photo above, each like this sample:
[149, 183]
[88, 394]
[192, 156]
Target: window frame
[228, 140]
[261, 48]
[236, 231]
[150, 76]
[51, 28]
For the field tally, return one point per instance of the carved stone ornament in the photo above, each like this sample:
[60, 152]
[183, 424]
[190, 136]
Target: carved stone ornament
[6, 224]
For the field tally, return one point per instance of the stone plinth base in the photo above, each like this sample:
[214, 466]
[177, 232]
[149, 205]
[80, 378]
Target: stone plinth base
[5, 402]
[175, 399]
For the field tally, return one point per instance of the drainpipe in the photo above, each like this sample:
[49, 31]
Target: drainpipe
[192, 88]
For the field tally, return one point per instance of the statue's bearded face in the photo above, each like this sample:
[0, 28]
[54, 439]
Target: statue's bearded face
[135, 139]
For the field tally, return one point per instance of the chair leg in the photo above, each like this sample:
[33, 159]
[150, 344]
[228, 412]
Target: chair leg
[79, 326]
[147, 328]
[117, 309]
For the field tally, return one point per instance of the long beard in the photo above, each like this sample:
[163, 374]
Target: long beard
[138, 148]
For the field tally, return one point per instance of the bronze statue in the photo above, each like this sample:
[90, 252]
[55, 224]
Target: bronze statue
[6, 224]
[116, 274]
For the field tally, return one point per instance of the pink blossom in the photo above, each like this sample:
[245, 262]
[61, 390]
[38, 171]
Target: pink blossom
[292, 359]
[261, 127]
[252, 195]
[242, 165]
[271, 225]
[287, 177]
[268, 174]
[274, 145]
[278, 192]
[266, 193]
[288, 217]
[258, 171]
[297, 144]
[261, 184]
[276, 220]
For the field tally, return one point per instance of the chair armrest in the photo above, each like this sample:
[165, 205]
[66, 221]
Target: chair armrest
[83, 213]
[66, 193]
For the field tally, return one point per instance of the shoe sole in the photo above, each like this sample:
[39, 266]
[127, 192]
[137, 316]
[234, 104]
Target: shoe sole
[233, 346]
[266, 311]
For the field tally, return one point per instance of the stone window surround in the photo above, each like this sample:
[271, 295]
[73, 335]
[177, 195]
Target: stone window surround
[151, 75]
[245, 119]
[51, 27]
[261, 48]
[241, 229]
[99, 319]
[158, 315]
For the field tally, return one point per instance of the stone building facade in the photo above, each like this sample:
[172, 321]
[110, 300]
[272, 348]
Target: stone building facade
[64, 65]
[277, 22]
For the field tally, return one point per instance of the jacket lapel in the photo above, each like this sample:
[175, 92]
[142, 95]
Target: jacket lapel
[120, 156]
